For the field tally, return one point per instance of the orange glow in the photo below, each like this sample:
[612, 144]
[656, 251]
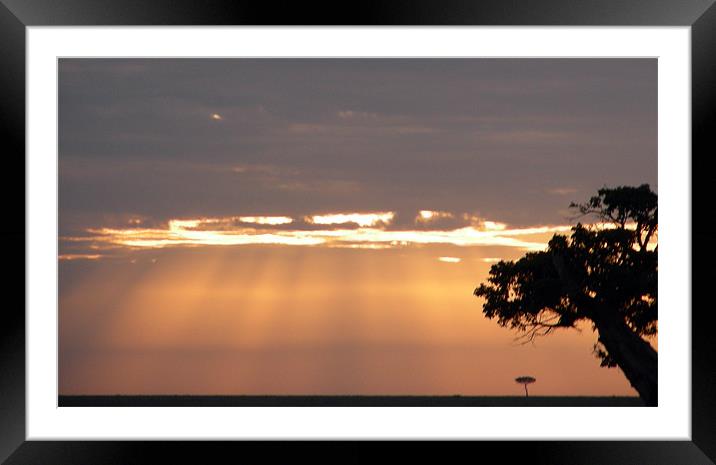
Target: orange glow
[283, 320]
[362, 310]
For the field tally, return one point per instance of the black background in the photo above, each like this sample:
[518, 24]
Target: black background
[16, 15]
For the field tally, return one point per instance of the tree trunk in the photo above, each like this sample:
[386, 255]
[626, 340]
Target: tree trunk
[636, 358]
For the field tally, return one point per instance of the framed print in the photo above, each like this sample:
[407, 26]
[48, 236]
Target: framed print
[249, 225]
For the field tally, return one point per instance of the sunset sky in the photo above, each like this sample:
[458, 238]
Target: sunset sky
[317, 226]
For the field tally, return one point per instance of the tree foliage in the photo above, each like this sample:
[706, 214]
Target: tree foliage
[603, 271]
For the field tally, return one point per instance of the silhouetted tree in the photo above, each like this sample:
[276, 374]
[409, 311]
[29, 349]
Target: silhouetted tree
[604, 273]
[525, 380]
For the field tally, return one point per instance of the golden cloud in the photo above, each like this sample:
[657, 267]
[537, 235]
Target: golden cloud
[371, 233]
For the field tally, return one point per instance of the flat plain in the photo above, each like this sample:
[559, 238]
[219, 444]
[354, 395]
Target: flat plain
[345, 401]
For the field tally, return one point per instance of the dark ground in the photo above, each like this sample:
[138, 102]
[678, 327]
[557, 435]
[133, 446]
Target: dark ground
[345, 401]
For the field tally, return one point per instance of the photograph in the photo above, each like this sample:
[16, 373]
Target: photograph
[422, 229]
[357, 232]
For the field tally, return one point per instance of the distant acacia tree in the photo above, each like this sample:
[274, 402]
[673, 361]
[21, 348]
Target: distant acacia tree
[605, 274]
[525, 380]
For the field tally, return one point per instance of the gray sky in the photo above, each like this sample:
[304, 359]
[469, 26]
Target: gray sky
[513, 140]
[206, 245]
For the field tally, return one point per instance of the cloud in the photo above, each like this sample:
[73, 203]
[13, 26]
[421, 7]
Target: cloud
[137, 135]
[361, 219]
[350, 114]
[271, 220]
[482, 223]
[304, 128]
[371, 232]
[265, 169]
[287, 178]
[562, 190]
[319, 186]
[427, 216]
[79, 256]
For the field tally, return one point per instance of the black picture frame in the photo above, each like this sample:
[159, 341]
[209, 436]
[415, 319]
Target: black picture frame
[16, 15]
